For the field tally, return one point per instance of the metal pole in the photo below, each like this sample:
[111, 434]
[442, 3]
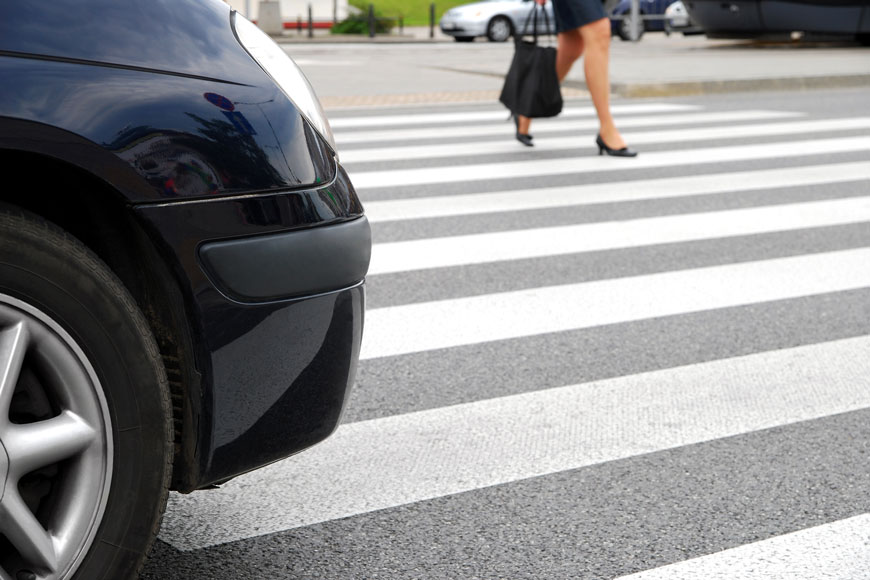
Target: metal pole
[248, 9]
[371, 20]
[310, 23]
[432, 20]
[334, 11]
[635, 20]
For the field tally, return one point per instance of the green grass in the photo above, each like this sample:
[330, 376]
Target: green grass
[414, 12]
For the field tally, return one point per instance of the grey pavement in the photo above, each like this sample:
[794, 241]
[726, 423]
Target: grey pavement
[670, 505]
[414, 68]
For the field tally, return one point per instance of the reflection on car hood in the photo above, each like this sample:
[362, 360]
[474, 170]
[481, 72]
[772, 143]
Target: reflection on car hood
[185, 37]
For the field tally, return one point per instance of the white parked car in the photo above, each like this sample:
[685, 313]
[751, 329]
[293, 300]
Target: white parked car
[495, 19]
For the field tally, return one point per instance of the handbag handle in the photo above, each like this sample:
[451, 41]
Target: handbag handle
[534, 12]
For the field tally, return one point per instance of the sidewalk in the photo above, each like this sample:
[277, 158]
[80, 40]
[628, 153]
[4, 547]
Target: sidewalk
[656, 66]
[321, 35]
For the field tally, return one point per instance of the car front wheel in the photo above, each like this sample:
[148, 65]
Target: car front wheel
[499, 29]
[85, 438]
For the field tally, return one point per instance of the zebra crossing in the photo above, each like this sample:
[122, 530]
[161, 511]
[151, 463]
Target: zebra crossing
[549, 313]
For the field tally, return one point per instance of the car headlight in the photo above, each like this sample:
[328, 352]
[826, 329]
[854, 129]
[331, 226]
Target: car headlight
[284, 72]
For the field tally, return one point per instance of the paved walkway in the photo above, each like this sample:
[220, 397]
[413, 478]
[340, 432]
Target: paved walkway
[657, 65]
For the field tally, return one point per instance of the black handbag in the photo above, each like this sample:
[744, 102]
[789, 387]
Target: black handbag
[531, 87]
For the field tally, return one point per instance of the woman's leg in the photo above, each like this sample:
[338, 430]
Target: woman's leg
[569, 48]
[523, 125]
[596, 39]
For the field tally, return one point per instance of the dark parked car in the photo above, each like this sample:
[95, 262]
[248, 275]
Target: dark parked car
[779, 18]
[181, 271]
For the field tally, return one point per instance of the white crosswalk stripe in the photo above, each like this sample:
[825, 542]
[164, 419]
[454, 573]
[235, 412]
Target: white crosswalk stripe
[552, 167]
[835, 550]
[569, 112]
[519, 244]
[555, 197]
[529, 435]
[448, 323]
[550, 126]
[575, 142]
[778, 221]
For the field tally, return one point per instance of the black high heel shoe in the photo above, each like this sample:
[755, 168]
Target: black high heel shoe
[525, 139]
[521, 137]
[603, 148]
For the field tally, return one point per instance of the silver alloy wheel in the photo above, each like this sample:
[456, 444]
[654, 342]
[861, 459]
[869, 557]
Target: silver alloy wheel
[39, 360]
[499, 29]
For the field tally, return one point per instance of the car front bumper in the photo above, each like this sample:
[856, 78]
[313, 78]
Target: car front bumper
[462, 27]
[275, 300]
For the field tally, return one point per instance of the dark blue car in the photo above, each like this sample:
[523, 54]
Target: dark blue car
[182, 261]
[820, 19]
[652, 13]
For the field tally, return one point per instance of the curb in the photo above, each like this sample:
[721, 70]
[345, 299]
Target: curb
[640, 89]
[292, 36]
[352, 39]
[692, 88]
[577, 89]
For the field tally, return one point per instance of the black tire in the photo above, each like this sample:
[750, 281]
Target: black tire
[463, 38]
[78, 317]
[499, 29]
[624, 28]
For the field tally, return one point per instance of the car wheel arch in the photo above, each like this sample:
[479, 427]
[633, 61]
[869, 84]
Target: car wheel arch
[86, 371]
[77, 201]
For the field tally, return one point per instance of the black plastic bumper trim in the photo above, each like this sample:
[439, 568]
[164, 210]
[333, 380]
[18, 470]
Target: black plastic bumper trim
[290, 264]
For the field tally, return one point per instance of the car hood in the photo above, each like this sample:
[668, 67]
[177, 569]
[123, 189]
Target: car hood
[155, 97]
[183, 37]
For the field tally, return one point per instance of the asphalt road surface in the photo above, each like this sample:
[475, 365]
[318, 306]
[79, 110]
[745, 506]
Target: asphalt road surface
[578, 366]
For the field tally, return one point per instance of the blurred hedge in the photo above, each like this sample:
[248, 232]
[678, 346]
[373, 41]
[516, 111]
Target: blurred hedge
[359, 24]
[414, 12]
